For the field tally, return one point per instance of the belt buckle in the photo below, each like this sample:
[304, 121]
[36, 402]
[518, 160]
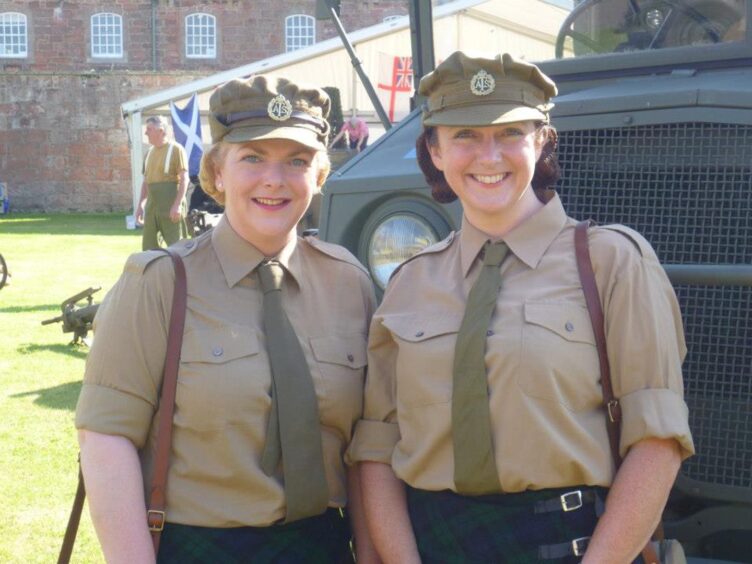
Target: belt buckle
[579, 546]
[571, 500]
[158, 520]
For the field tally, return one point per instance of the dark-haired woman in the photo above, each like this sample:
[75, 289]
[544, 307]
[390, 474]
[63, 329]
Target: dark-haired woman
[483, 437]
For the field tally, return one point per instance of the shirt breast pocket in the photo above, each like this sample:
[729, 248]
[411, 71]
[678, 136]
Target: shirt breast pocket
[341, 361]
[222, 376]
[559, 359]
[425, 358]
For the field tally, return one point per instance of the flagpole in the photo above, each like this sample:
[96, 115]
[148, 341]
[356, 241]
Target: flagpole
[357, 64]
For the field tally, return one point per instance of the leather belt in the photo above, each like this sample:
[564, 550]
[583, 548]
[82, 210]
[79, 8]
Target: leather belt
[569, 501]
[575, 547]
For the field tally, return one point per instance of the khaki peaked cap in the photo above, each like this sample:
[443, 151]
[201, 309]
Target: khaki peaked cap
[269, 107]
[476, 91]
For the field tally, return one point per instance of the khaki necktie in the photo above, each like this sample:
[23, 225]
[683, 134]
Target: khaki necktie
[293, 432]
[474, 466]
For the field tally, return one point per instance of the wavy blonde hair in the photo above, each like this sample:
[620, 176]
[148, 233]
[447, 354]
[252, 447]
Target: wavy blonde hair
[215, 156]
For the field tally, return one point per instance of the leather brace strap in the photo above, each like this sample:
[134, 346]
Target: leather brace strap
[592, 298]
[156, 507]
[157, 497]
[75, 518]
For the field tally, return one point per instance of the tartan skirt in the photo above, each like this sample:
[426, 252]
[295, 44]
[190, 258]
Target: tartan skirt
[500, 528]
[323, 539]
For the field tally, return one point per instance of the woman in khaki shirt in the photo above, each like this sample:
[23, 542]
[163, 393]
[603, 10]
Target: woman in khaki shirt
[518, 469]
[233, 495]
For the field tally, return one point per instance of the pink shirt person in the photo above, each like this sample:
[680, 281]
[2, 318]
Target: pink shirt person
[357, 133]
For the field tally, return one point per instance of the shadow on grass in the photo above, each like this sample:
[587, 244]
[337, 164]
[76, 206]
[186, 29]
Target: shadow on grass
[75, 351]
[24, 309]
[63, 396]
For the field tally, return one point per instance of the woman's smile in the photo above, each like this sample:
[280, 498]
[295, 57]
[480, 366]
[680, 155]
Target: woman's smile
[489, 179]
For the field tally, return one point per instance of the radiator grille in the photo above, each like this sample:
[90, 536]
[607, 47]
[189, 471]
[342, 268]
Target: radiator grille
[687, 187]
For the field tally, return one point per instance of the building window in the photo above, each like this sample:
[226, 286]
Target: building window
[300, 31]
[106, 35]
[13, 35]
[200, 36]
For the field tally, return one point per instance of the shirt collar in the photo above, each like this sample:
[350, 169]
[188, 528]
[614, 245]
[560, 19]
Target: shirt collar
[238, 258]
[528, 241]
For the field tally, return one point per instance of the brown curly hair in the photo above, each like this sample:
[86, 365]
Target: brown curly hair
[547, 170]
[215, 156]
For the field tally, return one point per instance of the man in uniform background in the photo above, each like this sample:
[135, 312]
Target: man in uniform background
[163, 189]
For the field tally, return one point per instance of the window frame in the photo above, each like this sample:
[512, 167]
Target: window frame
[20, 19]
[113, 19]
[202, 28]
[294, 22]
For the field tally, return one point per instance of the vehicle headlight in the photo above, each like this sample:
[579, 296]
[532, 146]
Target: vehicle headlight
[393, 241]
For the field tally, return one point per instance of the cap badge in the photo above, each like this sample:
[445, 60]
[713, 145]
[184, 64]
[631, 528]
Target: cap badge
[482, 83]
[280, 108]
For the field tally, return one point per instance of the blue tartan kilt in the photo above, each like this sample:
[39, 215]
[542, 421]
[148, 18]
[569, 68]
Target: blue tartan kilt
[500, 528]
[323, 539]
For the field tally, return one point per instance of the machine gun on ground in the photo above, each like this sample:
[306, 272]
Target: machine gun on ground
[77, 319]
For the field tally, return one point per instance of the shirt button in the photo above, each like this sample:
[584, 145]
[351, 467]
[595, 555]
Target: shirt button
[351, 358]
[569, 326]
[218, 351]
[419, 334]
[489, 332]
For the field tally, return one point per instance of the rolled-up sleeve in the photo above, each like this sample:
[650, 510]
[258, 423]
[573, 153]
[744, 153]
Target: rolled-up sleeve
[646, 348]
[377, 433]
[124, 367]
[655, 413]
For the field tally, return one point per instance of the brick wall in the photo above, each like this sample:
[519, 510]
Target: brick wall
[63, 143]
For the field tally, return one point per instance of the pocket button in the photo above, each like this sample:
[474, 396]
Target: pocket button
[569, 326]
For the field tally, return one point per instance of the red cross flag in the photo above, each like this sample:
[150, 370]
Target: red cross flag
[395, 86]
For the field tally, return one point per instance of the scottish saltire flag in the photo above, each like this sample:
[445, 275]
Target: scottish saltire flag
[186, 124]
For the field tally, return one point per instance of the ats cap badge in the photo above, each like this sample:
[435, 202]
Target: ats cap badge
[482, 83]
[279, 108]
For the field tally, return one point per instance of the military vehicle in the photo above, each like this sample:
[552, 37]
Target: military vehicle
[654, 115]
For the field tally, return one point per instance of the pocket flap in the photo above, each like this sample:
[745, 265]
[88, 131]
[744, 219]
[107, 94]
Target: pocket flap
[569, 321]
[416, 328]
[346, 350]
[217, 346]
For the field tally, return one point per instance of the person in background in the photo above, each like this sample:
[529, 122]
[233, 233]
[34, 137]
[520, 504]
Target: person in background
[484, 435]
[356, 130]
[271, 372]
[161, 205]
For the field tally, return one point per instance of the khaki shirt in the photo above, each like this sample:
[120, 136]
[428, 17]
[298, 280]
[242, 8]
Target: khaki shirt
[223, 392]
[154, 163]
[547, 422]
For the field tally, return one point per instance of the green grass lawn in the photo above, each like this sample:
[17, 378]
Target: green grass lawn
[50, 258]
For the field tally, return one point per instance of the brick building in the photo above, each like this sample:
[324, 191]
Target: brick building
[66, 66]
